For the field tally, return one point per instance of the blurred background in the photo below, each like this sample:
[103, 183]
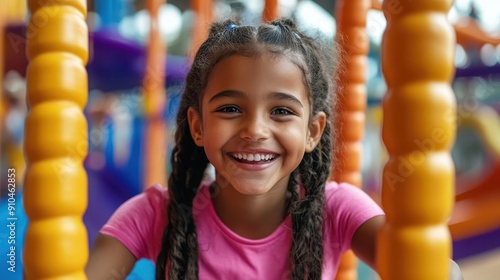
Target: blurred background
[119, 31]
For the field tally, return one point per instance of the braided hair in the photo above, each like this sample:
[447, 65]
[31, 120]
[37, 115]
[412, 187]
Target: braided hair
[179, 252]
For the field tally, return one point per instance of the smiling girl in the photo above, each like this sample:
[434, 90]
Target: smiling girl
[257, 106]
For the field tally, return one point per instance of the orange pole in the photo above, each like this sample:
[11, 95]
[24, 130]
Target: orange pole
[56, 140]
[203, 17]
[270, 12]
[155, 138]
[353, 42]
[418, 130]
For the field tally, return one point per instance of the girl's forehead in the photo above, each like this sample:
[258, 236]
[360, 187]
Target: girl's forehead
[256, 76]
[256, 65]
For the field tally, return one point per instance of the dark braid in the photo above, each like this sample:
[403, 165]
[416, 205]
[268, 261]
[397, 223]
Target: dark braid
[307, 213]
[179, 252]
[179, 242]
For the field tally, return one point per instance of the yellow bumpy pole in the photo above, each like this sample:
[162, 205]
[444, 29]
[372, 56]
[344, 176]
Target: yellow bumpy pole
[56, 141]
[15, 9]
[418, 130]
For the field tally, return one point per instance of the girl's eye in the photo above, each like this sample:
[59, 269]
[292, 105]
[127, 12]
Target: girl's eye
[282, 111]
[228, 109]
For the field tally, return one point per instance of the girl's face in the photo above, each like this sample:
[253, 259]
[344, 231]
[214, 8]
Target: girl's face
[255, 125]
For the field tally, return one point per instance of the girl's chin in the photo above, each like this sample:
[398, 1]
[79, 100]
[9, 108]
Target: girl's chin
[251, 186]
[250, 189]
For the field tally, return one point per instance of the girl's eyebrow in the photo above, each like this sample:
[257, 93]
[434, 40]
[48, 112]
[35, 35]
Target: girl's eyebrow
[227, 93]
[285, 97]
[273, 95]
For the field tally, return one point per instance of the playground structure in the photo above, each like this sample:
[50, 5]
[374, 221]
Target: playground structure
[54, 53]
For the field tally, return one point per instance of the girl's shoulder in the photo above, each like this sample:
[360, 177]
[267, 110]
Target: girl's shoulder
[156, 194]
[332, 187]
[139, 222]
[345, 195]
[150, 203]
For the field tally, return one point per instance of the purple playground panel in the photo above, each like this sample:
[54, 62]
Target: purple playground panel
[476, 244]
[478, 71]
[115, 63]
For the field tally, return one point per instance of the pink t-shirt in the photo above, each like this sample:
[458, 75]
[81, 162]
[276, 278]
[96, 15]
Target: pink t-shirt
[139, 225]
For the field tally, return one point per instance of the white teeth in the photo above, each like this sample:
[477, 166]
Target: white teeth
[254, 157]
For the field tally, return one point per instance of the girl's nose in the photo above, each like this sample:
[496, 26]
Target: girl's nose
[255, 129]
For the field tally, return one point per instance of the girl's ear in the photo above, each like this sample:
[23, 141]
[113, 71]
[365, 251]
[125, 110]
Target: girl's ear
[316, 128]
[195, 126]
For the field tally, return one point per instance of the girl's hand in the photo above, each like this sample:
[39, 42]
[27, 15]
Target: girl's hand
[455, 272]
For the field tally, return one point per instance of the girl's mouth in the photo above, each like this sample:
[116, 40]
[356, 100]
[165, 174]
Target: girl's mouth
[252, 158]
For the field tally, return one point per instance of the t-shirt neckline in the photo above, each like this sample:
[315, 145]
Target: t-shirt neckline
[284, 227]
